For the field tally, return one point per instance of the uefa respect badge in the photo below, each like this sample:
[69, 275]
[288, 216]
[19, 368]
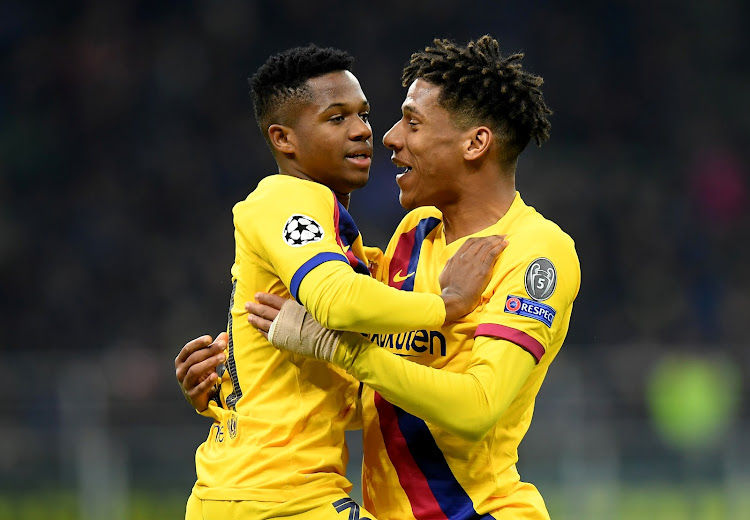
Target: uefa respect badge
[530, 309]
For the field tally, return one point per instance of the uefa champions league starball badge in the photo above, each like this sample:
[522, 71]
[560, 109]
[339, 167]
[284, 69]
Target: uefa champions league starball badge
[300, 230]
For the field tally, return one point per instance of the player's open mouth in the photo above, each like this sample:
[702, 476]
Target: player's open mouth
[403, 172]
[402, 166]
[403, 169]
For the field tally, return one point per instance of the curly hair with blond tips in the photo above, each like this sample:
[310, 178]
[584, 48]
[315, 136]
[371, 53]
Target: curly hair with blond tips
[481, 86]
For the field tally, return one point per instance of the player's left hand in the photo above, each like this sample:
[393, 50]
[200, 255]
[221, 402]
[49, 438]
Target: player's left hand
[195, 368]
[263, 311]
[467, 274]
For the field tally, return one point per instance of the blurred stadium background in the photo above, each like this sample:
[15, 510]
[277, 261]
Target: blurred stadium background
[126, 135]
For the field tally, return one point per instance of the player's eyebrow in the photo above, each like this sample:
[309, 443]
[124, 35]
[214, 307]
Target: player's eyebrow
[365, 104]
[410, 109]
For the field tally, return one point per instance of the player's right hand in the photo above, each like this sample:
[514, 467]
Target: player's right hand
[195, 368]
[467, 274]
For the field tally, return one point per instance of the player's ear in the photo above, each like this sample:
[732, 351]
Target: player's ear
[477, 143]
[282, 138]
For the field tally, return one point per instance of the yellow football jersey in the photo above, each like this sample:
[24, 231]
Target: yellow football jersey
[278, 429]
[458, 460]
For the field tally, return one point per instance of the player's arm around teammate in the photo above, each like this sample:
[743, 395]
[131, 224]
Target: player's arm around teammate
[198, 360]
[507, 346]
[195, 368]
[467, 404]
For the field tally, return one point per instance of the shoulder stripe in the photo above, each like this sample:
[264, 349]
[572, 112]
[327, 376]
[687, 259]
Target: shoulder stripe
[520, 338]
[309, 266]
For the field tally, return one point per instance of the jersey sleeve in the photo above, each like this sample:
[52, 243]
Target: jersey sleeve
[537, 279]
[467, 404]
[300, 242]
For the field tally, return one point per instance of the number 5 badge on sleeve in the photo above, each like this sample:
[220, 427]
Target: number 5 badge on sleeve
[541, 279]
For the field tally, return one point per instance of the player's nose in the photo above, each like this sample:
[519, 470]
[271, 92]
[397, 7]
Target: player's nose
[360, 131]
[392, 139]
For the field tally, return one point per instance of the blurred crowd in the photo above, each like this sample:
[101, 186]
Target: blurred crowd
[127, 135]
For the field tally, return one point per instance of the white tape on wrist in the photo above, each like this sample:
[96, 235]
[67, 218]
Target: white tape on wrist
[295, 330]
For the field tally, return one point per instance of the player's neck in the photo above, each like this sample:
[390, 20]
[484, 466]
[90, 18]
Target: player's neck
[477, 209]
[343, 198]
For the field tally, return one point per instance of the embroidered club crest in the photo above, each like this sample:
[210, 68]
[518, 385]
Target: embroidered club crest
[232, 426]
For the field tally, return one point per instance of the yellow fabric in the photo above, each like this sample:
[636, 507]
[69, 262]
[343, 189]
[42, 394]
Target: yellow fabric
[332, 292]
[375, 261]
[479, 406]
[333, 507]
[466, 404]
[278, 432]
[523, 502]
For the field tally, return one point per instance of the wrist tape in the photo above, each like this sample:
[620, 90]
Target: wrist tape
[295, 330]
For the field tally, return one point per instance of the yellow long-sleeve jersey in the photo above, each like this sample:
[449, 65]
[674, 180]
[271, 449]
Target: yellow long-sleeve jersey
[278, 429]
[442, 444]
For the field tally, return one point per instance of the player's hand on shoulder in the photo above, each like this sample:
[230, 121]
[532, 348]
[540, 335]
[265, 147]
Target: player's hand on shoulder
[195, 368]
[467, 274]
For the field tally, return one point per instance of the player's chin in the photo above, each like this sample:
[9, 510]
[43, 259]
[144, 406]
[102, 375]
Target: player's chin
[406, 200]
[357, 179]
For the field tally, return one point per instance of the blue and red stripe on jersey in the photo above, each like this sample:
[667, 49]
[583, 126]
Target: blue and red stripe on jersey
[424, 474]
[405, 258]
[346, 234]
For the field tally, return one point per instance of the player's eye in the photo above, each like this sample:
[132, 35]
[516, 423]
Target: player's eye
[338, 118]
[365, 116]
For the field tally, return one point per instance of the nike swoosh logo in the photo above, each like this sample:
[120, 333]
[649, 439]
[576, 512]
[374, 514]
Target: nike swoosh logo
[398, 278]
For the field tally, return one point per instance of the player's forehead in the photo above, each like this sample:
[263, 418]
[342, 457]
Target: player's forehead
[422, 99]
[339, 88]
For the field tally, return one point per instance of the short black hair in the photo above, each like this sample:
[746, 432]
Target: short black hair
[279, 84]
[480, 86]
